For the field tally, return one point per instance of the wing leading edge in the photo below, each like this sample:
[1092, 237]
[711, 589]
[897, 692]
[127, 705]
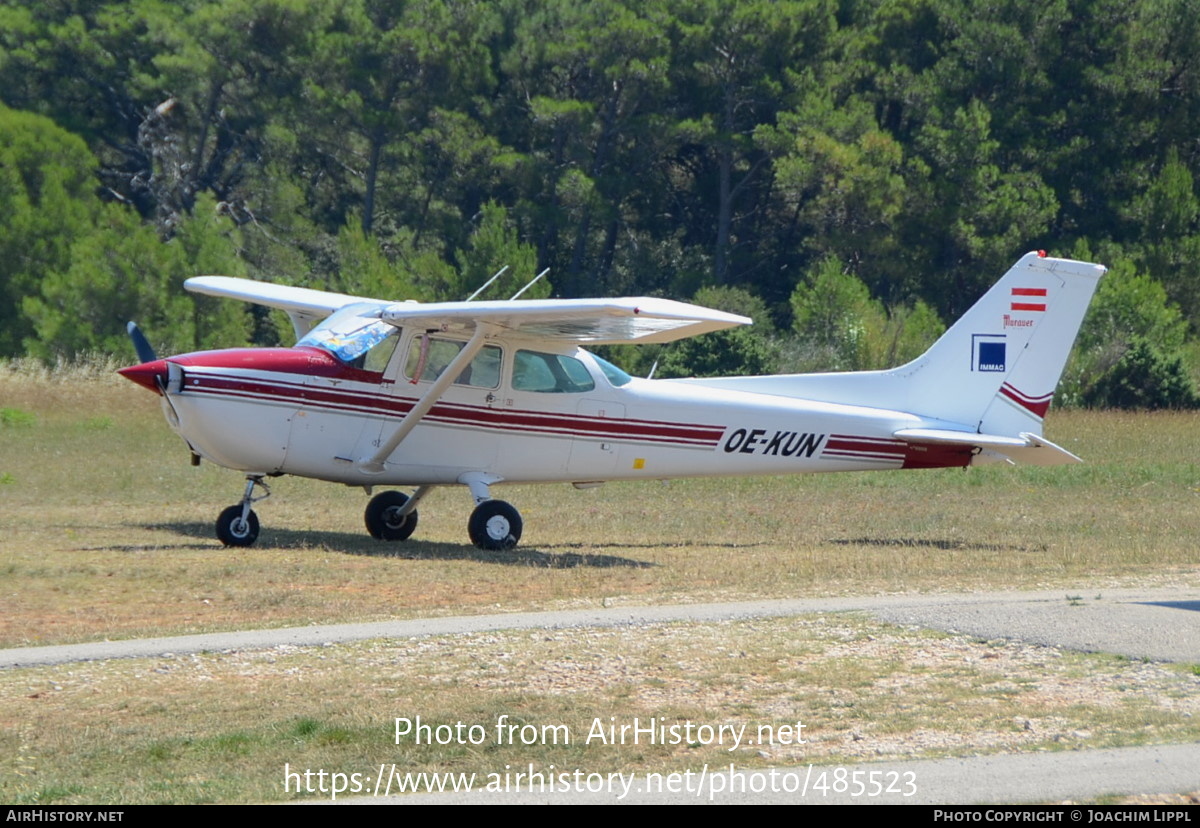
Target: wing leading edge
[594, 321]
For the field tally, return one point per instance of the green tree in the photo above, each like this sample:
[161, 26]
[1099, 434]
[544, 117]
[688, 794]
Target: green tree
[120, 270]
[591, 79]
[1166, 218]
[976, 213]
[733, 59]
[839, 184]
[380, 75]
[47, 202]
[1144, 377]
[1131, 326]
[907, 333]
[740, 351]
[394, 269]
[833, 313]
[843, 328]
[493, 245]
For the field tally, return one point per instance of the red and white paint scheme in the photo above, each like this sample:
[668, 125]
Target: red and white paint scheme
[378, 393]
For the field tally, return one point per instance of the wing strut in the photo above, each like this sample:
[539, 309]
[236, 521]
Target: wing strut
[374, 463]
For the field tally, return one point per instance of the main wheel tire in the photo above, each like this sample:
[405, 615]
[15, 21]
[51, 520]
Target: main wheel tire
[384, 520]
[495, 525]
[233, 531]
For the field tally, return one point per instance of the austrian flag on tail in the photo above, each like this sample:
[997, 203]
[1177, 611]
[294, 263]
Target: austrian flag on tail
[1022, 299]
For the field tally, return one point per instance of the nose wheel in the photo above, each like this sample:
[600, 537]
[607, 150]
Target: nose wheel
[238, 525]
[236, 529]
[495, 525]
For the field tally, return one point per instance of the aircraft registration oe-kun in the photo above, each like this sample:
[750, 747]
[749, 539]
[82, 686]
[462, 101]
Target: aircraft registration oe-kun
[377, 393]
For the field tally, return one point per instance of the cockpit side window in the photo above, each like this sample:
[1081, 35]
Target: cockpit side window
[428, 358]
[380, 355]
[550, 374]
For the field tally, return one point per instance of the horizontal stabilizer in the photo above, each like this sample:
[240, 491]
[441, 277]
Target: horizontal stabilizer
[1027, 448]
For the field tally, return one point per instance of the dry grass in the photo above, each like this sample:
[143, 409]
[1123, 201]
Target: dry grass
[108, 530]
[107, 534]
[219, 728]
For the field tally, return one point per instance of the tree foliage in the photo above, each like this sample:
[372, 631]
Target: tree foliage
[880, 160]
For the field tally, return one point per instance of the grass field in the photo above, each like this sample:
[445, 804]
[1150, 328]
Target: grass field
[107, 533]
[108, 529]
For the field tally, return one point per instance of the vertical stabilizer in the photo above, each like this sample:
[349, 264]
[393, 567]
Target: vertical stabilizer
[993, 372]
[996, 369]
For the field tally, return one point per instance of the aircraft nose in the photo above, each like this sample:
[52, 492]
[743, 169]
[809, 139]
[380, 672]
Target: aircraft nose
[152, 375]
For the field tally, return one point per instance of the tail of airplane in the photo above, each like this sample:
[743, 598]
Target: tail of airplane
[997, 367]
[993, 372]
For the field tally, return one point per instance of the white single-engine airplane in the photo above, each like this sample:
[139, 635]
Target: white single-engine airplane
[379, 393]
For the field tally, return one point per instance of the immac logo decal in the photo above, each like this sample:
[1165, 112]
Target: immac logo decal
[988, 353]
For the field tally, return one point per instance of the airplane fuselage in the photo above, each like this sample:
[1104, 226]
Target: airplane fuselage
[378, 393]
[299, 411]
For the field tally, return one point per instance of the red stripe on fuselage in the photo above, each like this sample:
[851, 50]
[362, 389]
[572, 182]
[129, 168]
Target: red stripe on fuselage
[927, 456]
[350, 401]
[851, 447]
[908, 455]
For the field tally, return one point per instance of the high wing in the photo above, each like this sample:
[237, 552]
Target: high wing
[305, 306]
[594, 321]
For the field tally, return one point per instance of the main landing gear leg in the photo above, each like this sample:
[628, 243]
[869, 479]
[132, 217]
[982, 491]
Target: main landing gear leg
[392, 516]
[238, 525]
[494, 524]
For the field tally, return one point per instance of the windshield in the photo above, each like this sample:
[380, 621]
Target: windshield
[350, 333]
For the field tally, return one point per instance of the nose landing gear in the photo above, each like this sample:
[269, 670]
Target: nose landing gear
[238, 525]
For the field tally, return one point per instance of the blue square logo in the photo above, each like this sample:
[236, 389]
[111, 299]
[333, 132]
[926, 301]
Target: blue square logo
[990, 356]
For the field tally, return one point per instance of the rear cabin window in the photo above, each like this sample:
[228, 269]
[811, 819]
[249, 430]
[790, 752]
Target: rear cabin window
[612, 373]
[550, 374]
[430, 360]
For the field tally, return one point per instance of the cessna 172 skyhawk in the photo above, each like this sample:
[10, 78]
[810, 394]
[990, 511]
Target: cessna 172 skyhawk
[380, 393]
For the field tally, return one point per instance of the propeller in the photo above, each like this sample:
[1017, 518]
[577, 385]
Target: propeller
[140, 344]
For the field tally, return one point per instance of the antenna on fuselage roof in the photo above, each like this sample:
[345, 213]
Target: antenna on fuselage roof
[488, 283]
[528, 286]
